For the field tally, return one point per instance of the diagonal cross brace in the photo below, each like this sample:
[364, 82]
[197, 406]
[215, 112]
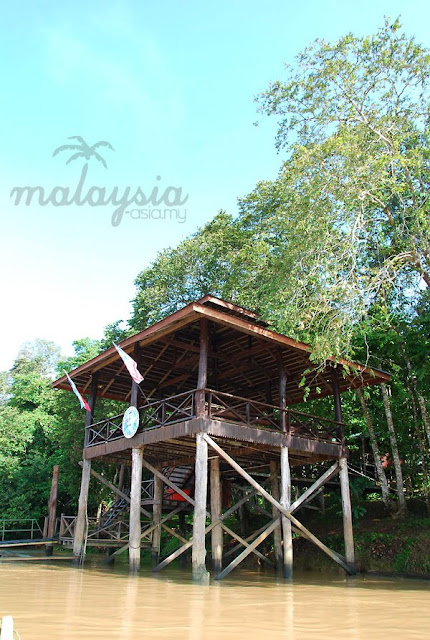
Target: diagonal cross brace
[302, 529]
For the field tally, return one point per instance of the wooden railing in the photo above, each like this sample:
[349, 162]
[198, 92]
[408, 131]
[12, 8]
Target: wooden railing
[27, 528]
[224, 407]
[117, 530]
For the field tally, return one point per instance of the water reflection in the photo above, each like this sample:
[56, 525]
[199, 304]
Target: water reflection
[60, 602]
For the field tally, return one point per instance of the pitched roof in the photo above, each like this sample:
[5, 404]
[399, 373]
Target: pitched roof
[242, 358]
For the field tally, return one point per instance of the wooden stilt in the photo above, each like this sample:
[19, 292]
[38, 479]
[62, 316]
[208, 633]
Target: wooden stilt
[286, 522]
[277, 536]
[135, 497]
[344, 480]
[156, 519]
[199, 549]
[52, 506]
[217, 535]
[81, 520]
[347, 514]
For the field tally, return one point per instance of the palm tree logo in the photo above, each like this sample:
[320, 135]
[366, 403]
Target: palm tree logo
[84, 150]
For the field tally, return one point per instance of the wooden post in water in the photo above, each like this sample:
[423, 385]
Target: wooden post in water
[217, 533]
[200, 495]
[286, 523]
[285, 500]
[52, 508]
[201, 466]
[344, 480]
[156, 519]
[277, 534]
[135, 499]
[81, 520]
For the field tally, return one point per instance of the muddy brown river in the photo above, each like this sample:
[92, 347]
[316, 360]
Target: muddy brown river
[56, 601]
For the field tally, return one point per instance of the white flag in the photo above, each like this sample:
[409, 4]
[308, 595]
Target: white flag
[130, 364]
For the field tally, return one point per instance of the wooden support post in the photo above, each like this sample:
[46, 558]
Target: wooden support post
[135, 497]
[202, 377]
[52, 507]
[347, 514]
[156, 519]
[201, 478]
[344, 480]
[277, 537]
[217, 534]
[282, 390]
[286, 522]
[81, 520]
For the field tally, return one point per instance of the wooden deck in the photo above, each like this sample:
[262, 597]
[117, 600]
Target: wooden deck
[254, 430]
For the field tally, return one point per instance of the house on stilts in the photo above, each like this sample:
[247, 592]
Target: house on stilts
[216, 408]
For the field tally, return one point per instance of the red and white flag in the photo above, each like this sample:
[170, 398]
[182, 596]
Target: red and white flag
[84, 403]
[130, 364]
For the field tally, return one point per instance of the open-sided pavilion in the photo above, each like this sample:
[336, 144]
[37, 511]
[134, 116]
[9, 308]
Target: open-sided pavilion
[219, 390]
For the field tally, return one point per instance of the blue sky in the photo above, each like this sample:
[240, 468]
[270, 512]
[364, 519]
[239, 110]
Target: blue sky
[170, 86]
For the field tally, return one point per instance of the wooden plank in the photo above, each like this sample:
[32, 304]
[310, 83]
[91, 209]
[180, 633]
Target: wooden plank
[252, 547]
[335, 556]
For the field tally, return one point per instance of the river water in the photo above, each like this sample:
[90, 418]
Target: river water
[58, 602]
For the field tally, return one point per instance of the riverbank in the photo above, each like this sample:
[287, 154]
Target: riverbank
[383, 544]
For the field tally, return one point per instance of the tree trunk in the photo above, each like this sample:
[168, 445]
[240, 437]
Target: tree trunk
[394, 449]
[385, 492]
[422, 449]
[421, 401]
[424, 414]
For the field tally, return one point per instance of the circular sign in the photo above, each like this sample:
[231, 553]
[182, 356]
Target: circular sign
[130, 422]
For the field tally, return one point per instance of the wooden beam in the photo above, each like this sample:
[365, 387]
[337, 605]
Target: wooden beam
[246, 544]
[334, 469]
[252, 547]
